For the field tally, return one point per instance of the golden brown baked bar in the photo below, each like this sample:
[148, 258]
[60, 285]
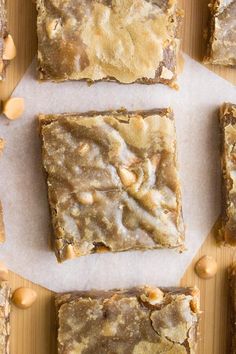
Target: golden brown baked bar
[112, 181]
[222, 40]
[142, 320]
[5, 293]
[228, 165]
[232, 295]
[3, 34]
[127, 41]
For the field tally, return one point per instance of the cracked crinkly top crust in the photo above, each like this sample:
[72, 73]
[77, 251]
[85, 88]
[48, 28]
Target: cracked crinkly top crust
[222, 46]
[112, 181]
[3, 34]
[4, 317]
[125, 40]
[144, 320]
[228, 164]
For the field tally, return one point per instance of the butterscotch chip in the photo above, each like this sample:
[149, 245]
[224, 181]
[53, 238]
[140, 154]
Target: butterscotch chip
[24, 297]
[206, 267]
[221, 48]
[9, 51]
[69, 252]
[121, 322]
[14, 107]
[127, 41]
[125, 193]
[227, 117]
[152, 296]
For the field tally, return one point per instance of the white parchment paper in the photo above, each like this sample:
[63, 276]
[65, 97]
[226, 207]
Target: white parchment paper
[23, 190]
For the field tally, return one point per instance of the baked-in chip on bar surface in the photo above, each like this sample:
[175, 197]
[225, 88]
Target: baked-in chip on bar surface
[227, 232]
[232, 296]
[3, 35]
[142, 320]
[221, 48]
[123, 40]
[5, 294]
[112, 181]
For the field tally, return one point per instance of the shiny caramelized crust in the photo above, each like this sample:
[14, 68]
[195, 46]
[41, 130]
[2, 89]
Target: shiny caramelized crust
[137, 321]
[228, 165]
[3, 34]
[232, 295]
[222, 39]
[123, 40]
[112, 181]
[4, 318]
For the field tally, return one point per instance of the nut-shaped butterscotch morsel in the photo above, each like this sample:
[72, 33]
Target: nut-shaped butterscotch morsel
[9, 50]
[14, 107]
[24, 297]
[127, 177]
[153, 297]
[4, 275]
[206, 267]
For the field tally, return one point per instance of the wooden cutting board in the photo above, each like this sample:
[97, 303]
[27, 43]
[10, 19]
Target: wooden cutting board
[33, 330]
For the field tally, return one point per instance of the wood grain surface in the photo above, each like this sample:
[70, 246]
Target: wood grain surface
[33, 330]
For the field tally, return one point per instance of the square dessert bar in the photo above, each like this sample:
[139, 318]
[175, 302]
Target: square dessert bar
[222, 39]
[112, 181]
[126, 41]
[232, 296]
[137, 321]
[3, 35]
[5, 294]
[228, 165]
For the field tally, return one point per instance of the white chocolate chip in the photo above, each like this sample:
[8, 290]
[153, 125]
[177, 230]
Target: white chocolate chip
[9, 50]
[166, 74]
[14, 107]
[127, 177]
